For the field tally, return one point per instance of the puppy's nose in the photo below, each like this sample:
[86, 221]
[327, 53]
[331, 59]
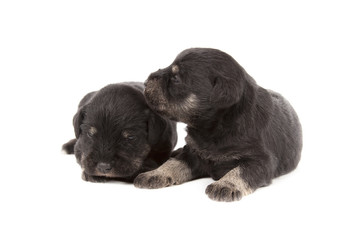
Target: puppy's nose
[104, 167]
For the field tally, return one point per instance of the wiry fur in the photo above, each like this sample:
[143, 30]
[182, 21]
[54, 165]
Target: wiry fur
[118, 136]
[238, 132]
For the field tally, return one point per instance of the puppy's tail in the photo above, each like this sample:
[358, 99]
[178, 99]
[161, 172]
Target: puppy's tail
[68, 147]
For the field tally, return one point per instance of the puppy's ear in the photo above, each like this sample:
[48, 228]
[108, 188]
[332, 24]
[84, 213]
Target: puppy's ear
[80, 115]
[225, 91]
[157, 126]
[77, 121]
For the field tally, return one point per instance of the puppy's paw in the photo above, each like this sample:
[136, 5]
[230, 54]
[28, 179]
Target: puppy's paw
[94, 179]
[223, 191]
[153, 180]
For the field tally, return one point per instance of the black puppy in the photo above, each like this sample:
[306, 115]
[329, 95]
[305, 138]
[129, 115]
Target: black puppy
[118, 136]
[238, 133]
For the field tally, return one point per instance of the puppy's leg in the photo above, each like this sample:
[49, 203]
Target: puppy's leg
[231, 187]
[250, 174]
[95, 179]
[172, 172]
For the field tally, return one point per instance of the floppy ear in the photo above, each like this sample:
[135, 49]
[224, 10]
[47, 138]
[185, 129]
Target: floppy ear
[157, 126]
[77, 121]
[226, 91]
[79, 116]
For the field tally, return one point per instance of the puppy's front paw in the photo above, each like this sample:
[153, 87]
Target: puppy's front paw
[223, 191]
[94, 179]
[153, 180]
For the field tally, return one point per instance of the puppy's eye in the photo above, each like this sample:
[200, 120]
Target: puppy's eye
[91, 132]
[130, 138]
[175, 79]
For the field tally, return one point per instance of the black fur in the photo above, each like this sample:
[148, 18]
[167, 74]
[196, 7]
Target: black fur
[118, 136]
[231, 121]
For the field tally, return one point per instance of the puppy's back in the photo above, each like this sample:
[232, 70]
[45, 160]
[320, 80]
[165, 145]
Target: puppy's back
[286, 131]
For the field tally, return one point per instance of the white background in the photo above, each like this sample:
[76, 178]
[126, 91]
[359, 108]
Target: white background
[54, 52]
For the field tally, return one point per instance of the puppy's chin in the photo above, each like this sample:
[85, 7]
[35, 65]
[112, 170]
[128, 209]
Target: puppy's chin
[160, 109]
[115, 173]
[179, 112]
[155, 105]
[163, 111]
[123, 171]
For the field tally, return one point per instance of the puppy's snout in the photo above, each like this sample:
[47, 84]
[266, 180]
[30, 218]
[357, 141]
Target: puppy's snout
[150, 82]
[104, 167]
[146, 82]
[152, 79]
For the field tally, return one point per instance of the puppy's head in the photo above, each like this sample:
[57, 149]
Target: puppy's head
[198, 82]
[114, 132]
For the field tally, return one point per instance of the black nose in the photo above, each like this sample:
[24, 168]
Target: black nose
[104, 167]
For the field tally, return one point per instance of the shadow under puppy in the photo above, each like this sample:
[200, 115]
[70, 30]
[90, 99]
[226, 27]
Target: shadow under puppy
[118, 136]
[239, 133]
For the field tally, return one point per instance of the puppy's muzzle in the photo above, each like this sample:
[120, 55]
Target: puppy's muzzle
[103, 167]
[146, 82]
[150, 80]
[151, 87]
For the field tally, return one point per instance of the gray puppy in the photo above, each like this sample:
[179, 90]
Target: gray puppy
[239, 133]
[118, 136]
